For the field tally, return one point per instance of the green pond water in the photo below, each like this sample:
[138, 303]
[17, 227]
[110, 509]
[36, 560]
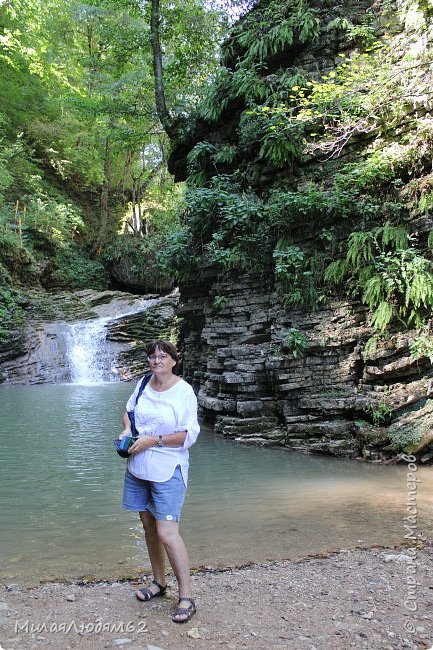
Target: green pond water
[61, 488]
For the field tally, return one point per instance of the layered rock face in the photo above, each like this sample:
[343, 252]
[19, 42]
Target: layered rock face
[257, 386]
[267, 371]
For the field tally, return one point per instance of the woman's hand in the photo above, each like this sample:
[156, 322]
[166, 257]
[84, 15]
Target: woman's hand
[125, 432]
[142, 443]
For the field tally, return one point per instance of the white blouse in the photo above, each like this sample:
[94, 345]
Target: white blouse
[157, 414]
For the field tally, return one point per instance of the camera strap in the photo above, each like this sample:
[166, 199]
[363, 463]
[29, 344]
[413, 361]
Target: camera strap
[131, 414]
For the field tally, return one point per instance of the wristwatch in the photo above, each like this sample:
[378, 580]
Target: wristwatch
[160, 442]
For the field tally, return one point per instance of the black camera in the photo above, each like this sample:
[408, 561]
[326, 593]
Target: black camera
[123, 444]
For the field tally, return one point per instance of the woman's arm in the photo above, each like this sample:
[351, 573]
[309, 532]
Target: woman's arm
[168, 440]
[126, 426]
[187, 418]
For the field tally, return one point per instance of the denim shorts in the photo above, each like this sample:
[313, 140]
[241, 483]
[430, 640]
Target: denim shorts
[163, 500]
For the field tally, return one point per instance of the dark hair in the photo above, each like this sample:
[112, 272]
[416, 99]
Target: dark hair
[164, 346]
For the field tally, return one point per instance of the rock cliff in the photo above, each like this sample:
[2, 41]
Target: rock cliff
[315, 146]
[328, 397]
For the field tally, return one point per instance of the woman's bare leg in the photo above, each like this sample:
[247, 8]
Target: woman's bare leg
[168, 532]
[155, 548]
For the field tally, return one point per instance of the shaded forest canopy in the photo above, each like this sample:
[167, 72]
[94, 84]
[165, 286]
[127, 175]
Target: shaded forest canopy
[83, 177]
[307, 136]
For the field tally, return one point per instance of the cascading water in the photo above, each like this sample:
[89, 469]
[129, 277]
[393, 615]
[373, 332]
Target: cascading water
[80, 352]
[91, 359]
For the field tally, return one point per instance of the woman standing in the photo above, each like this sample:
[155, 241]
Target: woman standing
[157, 470]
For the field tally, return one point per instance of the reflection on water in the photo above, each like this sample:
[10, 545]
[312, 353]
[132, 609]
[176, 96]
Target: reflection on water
[61, 484]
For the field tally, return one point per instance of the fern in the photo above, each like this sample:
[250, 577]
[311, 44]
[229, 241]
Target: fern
[278, 149]
[310, 27]
[258, 51]
[275, 31]
[210, 111]
[365, 273]
[419, 290]
[280, 36]
[336, 271]
[425, 204]
[339, 23]
[382, 316]
[395, 280]
[422, 346]
[365, 245]
[247, 38]
[375, 291]
[197, 179]
[395, 237]
[361, 247]
[364, 32]
[226, 154]
[247, 82]
[198, 153]
[217, 98]
[292, 77]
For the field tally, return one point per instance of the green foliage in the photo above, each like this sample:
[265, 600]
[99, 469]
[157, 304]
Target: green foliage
[176, 258]
[197, 159]
[216, 96]
[270, 29]
[362, 33]
[298, 276]
[371, 345]
[11, 315]
[421, 347]
[78, 111]
[246, 82]
[379, 411]
[59, 221]
[262, 34]
[220, 302]
[310, 203]
[277, 38]
[138, 255]
[17, 261]
[393, 277]
[72, 269]
[362, 246]
[296, 341]
[5, 176]
[402, 287]
[227, 225]
[280, 141]
[404, 438]
[198, 152]
[425, 205]
[225, 154]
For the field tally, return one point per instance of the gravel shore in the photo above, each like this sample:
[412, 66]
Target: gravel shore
[365, 598]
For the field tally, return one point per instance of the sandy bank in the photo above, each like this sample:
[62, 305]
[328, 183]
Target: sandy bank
[375, 599]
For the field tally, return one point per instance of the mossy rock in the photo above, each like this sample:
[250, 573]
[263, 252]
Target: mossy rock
[414, 431]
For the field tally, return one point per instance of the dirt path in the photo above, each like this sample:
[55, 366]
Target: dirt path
[376, 599]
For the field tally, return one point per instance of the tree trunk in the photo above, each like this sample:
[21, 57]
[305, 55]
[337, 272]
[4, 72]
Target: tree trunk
[105, 193]
[155, 40]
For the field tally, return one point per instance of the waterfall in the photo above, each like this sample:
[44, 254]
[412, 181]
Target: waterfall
[91, 359]
[92, 351]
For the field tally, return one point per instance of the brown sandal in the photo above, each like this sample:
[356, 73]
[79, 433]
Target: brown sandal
[148, 593]
[187, 612]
